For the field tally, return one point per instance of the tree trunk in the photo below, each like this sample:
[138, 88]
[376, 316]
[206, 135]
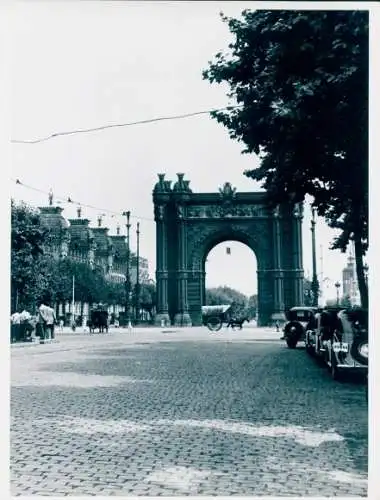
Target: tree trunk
[363, 289]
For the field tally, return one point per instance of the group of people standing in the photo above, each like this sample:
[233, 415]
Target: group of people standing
[25, 326]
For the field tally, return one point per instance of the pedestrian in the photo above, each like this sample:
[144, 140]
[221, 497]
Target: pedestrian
[61, 325]
[277, 324]
[47, 319]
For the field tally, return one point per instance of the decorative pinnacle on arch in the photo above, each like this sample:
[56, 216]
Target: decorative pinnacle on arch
[227, 192]
[181, 185]
[162, 186]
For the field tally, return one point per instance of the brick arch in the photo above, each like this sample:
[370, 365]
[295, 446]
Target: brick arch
[190, 224]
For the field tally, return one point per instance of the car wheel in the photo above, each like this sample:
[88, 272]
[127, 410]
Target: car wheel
[336, 374]
[291, 343]
[356, 348]
[310, 350]
[214, 324]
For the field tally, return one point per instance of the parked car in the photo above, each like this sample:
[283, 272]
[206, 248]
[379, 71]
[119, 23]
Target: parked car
[340, 339]
[319, 330]
[299, 318]
[347, 350]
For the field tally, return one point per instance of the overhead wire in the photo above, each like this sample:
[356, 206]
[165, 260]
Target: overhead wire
[119, 125]
[68, 199]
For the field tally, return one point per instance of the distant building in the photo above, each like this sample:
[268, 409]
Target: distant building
[76, 240]
[350, 287]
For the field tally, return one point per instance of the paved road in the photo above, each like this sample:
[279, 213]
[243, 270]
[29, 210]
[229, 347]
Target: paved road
[180, 413]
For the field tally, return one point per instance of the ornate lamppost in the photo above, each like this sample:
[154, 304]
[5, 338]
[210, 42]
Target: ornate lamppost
[314, 282]
[138, 274]
[337, 286]
[128, 275]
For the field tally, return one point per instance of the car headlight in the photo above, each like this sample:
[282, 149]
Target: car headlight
[363, 350]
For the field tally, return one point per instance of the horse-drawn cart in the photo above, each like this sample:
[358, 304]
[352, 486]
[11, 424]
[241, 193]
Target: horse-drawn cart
[214, 316]
[98, 319]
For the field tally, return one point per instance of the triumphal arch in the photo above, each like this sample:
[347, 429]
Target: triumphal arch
[189, 225]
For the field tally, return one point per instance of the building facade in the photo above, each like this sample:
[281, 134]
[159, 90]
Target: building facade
[78, 240]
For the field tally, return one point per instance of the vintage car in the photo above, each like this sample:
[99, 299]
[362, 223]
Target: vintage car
[340, 339]
[319, 330]
[299, 319]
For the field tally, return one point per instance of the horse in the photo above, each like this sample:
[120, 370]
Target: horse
[234, 322]
[98, 319]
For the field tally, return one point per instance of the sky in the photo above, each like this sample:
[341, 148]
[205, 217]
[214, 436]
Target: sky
[78, 65]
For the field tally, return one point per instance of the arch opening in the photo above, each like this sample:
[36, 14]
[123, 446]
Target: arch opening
[230, 277]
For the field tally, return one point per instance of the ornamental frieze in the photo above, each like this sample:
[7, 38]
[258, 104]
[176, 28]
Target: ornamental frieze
[223, 211]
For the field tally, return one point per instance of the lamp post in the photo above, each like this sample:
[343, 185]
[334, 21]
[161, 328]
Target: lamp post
[314, 282]
[365, 269]
[128, 275]
[138, 274]
[337, 286]
[73, 304]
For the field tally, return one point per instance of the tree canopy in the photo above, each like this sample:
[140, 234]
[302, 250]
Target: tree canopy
[35, 275]
[300, 83]
[28, 281]
[224, 295]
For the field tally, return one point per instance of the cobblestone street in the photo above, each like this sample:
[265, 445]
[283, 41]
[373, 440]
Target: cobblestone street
[183, 412]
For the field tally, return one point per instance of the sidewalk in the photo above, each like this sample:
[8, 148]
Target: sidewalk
[249, 333]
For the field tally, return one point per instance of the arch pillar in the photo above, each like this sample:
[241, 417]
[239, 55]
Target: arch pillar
[161, 197]
[182, 317]
[297, 274]
[162, 316]
[277, 273]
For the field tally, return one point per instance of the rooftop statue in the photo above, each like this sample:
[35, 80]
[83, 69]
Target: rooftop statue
[227, 191]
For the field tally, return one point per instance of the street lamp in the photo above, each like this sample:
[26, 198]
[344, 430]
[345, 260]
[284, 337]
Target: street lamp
[128, 276]
[365, 269]
[314, 283]
[337, 286]
[138, 274]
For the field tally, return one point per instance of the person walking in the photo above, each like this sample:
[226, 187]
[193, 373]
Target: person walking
[47, 320]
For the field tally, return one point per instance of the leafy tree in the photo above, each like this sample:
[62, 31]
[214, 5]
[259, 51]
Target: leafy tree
[90, 284]
[300, 79]
[148, 297]
[346, 301]
[115, 293]
[28, 264]
[224, 295]
[252, 306]
[307, 292]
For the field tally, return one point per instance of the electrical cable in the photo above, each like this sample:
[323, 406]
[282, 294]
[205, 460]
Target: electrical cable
[118, 125]
[68, 199]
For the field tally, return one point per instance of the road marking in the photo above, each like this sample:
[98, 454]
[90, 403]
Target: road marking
[72, 379]
[301, 435]
[185, 479]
